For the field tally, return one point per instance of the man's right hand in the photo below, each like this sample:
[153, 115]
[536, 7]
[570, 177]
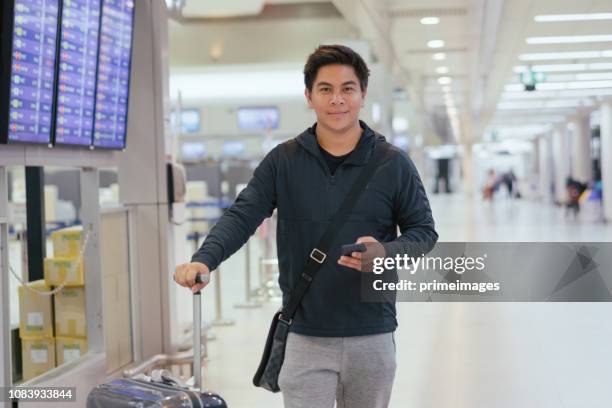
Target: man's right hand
[185, 275]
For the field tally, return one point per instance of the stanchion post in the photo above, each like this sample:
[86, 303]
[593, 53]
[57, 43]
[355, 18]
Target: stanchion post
[219, 320]
[249, 303]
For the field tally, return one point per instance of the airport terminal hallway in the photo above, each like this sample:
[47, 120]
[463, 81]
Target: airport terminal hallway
[457, 355]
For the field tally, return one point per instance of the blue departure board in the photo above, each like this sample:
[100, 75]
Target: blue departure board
[32, 71]
[76, 84]
[114, 61]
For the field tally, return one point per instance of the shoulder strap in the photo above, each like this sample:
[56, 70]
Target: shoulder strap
[318, 254]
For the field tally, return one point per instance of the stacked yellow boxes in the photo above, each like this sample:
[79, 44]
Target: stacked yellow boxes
[70, 316]
[36, 330]
[62, 266]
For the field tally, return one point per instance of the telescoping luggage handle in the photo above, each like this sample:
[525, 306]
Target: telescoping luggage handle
[197, 334]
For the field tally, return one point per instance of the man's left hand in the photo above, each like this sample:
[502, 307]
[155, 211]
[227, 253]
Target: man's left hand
[364, 261]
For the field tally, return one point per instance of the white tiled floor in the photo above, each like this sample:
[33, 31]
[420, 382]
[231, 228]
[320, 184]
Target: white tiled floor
[458, 355]
[454, 355]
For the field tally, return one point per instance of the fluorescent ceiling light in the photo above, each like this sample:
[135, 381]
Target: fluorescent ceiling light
[445, 80]
[579, 93]
[568, 93]
[435, 44]
[430, 20]
[446, 88]
[589, 84]
[602, 66]
[568, 39]
[511, 118]
[565, 55]
[548, 18]
[550, 68]
[551, 86]
[439, 56]
[594, 76]
[442, 70]
[550, 104]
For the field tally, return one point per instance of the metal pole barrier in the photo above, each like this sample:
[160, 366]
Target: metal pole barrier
[248, 303]
[219, 320]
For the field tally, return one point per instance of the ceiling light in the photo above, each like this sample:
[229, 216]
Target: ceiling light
[576, 93]
[551, 86]
[442, 70]
[565, 55]
[430, 20]
[445, 80]
[510, 118]
[551, 104]
[547, 18]
[568, 39]
[446, 88]
[593, 76]
[602, 66]
[589, 84]
[551, 68]
[439, 56]
[435, 44]
[568, 93]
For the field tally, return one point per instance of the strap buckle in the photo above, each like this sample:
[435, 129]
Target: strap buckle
[318, 255]
[282, 319]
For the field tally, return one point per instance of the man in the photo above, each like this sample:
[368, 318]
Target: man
[340, 348]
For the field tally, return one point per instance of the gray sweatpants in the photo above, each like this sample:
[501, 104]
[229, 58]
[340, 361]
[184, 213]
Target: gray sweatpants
[356, 372]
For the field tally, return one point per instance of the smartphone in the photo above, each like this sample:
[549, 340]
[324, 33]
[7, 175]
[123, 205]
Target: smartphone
[348, 249]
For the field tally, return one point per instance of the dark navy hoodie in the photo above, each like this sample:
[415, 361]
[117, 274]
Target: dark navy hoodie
[295, 179]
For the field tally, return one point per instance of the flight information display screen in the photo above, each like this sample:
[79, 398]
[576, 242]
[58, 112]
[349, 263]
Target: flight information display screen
[76, 86]
[114, 61]
[32, 71]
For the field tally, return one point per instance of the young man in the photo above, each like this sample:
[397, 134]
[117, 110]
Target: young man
[339, 348]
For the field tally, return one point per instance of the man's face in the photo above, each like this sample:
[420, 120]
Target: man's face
[336, 97]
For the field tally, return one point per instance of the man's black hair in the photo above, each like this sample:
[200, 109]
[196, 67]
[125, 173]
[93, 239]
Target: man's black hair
[335, 54]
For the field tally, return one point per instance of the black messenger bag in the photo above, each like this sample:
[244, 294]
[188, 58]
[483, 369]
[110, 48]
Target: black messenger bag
[274, 350]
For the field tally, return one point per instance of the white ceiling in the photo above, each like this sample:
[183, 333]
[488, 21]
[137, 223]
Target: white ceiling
[483, 41]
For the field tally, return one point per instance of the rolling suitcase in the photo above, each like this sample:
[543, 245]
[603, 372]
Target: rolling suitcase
[127, 392]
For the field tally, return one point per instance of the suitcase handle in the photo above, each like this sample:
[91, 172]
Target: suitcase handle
[197, 335]
[201, 278]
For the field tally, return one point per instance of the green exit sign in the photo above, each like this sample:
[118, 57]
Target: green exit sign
[532, 78]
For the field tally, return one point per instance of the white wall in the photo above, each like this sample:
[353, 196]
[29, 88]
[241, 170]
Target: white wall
[219, 122]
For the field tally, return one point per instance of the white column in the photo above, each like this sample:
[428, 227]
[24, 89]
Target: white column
[561, 161]
[545, 167]
[606, 157]
[581, 166]
[380, 92]
[142, 179]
